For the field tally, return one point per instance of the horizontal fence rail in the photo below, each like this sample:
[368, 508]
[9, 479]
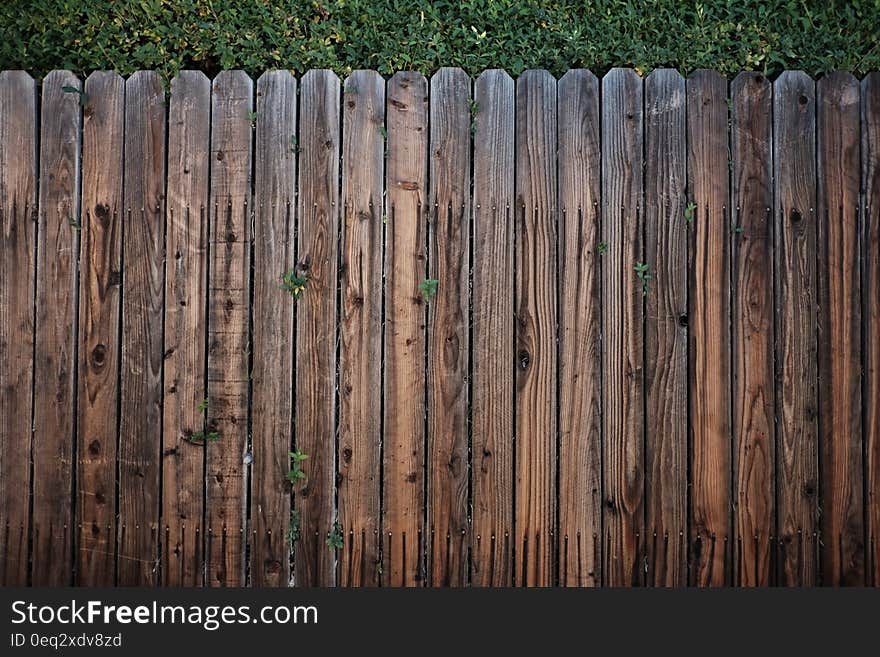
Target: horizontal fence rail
[439, 332]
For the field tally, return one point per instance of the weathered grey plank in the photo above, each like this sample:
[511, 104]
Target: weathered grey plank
[580, 354]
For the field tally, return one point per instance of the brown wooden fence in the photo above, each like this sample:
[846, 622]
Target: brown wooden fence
[579, 331]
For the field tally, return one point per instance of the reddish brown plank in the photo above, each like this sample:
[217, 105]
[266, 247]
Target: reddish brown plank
[840, 331]
[317, 253]
[709, 185]
[18, 162]
[797, 476]
[404, 389]
[226, 434]
[57, 249]
[666, 337]
[623, 335]
[752, 329]
[142, 341]
[99, 350]
[274, 204]
[535, 332]
[871, 315]
[186, 289]
[360, 365]
[580, 391]
[448, 333]
[492, 325]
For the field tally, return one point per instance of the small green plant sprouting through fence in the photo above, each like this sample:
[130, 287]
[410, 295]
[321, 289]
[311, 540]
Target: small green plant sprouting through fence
[642, 270]
[689, 213]
[296, 473]
[428, 288]
[294, 283]
[334, 538]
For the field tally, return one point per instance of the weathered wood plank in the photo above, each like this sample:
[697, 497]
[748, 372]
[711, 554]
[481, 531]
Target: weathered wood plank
[492, 325]
[794, 172]
[274, 204]
[405, 268]
[360, 416]
[360, 366]
[709, 355]
[839, 331]
[871, 314]
[18, 212]
[622, 328]
[186, 290]
[535, 334]
[99, 350]
[317, 253]
[752, 329]
[54, 366]
[143, 256]
[226, 434]
[448, 327]
[666, 336]
[580, 355]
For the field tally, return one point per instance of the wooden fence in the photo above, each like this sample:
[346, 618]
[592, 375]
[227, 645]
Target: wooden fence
[651, 355]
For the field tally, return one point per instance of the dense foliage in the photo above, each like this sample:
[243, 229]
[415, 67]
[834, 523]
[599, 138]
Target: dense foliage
[389, 35]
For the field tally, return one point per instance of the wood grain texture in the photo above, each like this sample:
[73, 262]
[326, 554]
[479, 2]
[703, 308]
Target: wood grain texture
[752, 329]
[535, 329]
[229, 342]
[405, 267]
[143, 255]
[315, 384]
[54, 365]
[870, 106]
[185, 353]
[18, 218]
[797, 476]
[448, 327]
[709, 354]
[622, 329]
[492, 325]
[99, 350]
[666, 335]
[360, 365]
[580, 355]
[840, 331]
[273, 310]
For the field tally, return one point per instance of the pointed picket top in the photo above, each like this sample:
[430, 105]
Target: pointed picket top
[275, 75]
[745, 79]
[838, 91]
[578, 76]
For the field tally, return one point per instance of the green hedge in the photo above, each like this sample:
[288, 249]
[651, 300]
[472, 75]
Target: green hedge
[389, 35]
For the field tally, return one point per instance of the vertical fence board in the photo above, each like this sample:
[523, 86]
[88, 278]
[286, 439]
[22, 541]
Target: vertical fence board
[839, 331]
[315, 386]
[54, 366]
[666, 338]
[405, 268]
[580, 389]
[448, 322]
[143, 253]
[226, 434]
[871, 314]
[794, 172]
[752, 329]
[186, 291]
[622, 329]
[274, 203]
[18, 212]
[709, 300]
[360, 365]
[536, 316]
[492, 325]
[100, 282]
